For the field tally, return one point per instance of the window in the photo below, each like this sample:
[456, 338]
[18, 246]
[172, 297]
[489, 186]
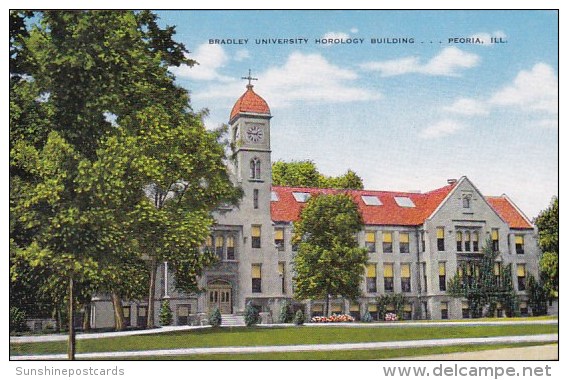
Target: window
[495, 239]
[274, 196]
[355, 311]
[317, 311]
[301, 197]
[407, 312]
[256, 275]
[521, 273]
[219, 247]
[466, 201]
[126, 314]
[520, 244]
[183, 312]
[255, 236]
[423, 241]
[497, 273]
[282, 274]
[370, 241]
[388, 277]
[387, 242]
[467, 238]
[371, 278]
[373, 310]
[440, 238]
[404, 242]
[465, 309]
[442, 276]
[255, 168]
[499, 310]
[404, 202]
[405, 277]
[444, 310]
[425, 277]
[371, 200]
[336, 309]
[230, 248]
[209, 244]
[255, 198]
[475, 240]
[279, 238]
[524, 309]
[459, 237]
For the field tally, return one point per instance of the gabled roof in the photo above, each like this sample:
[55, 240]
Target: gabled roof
[287, 209]
[509, 212]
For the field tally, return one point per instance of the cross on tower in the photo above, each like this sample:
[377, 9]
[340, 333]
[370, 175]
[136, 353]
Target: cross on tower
[249, 78]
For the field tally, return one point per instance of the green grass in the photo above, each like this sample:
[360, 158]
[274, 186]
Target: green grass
[343, 355]
[258, 336]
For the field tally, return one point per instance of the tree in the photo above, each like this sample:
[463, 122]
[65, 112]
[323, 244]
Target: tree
[166, 316]
[537, 296]
[78, 200]
[305, 174]
[252, 316]
[329, 262]
[547, 223]
[478, 282]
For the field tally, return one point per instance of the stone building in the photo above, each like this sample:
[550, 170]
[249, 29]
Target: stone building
[416, 242]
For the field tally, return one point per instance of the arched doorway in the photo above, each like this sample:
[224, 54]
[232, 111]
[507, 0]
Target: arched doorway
[219, 294]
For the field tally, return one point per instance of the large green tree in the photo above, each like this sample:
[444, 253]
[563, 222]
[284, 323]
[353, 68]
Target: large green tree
[305, 174]
[108, 163]
[329, 262]
[547, 223]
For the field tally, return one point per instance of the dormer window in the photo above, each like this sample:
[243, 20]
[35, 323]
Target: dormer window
[255, 168]
[466, 201]
[404, 202]
[371, 200]
[300, 196]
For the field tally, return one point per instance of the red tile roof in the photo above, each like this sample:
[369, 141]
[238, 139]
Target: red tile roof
[250, 102]
[505, 208]
[286, 209]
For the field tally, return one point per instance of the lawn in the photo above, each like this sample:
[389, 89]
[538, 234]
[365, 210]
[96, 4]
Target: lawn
[259, 336]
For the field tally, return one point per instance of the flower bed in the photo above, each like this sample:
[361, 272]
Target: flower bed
[333, 318]
[391, 317]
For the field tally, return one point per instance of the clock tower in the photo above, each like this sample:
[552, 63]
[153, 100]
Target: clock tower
[250, 134]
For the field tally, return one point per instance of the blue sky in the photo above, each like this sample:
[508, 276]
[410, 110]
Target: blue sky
[404, 116]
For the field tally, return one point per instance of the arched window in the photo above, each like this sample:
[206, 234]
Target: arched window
[255, 168]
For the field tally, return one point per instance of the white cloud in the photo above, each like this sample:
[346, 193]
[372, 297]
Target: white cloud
[241, 55]
[210, 58]
[441, 128]
[486, 37]
[547, 123]
[302, 78]
[468, 107]
[536, 89]
[446, 63]
[354, 30]
[335, 35]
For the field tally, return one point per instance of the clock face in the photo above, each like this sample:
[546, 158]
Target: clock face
[255, 134]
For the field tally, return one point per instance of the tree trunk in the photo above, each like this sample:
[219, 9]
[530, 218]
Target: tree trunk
[327, 311]
[71, 337]
[152, 292]
[119, 323]
[87, 317]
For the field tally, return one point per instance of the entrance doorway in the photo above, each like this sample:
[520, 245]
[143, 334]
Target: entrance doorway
[219, 294]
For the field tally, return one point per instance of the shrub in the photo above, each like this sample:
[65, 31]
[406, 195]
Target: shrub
[367, 317]
[299, 318]
[215, 317]
[166, 315]
[286, 313]
[252, 316]
[17, 320]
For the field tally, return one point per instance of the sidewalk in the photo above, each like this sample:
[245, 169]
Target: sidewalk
[159, 330]
[300, 348]
[548, 352]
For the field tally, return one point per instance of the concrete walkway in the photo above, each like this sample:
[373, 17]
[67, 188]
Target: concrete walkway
[300, 348]
[159, 330]
[548, 352]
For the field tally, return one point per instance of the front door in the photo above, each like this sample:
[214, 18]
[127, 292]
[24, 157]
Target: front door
[219, 295]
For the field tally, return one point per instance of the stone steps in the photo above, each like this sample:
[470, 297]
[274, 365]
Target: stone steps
[232, 320]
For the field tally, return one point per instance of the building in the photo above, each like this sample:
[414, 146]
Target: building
[416, 241]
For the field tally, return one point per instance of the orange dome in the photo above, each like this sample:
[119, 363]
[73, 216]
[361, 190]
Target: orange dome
[250, 102]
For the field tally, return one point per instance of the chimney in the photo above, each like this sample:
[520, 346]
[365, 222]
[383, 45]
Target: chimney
[451, 181]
